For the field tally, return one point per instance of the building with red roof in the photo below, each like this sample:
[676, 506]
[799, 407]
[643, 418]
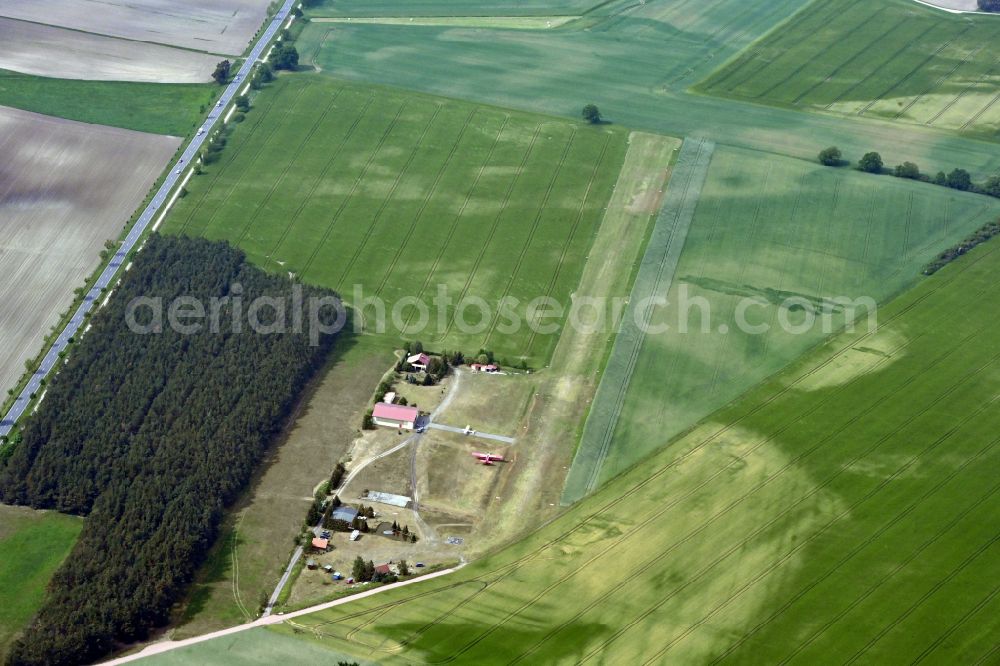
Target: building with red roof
[395, 416]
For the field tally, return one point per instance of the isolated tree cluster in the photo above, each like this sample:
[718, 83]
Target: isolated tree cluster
[150, 436]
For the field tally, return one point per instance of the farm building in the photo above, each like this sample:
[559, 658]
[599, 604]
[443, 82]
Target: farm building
[344, 513]
[395, 416]
[418, 361]
[383, 569]
[321, 544]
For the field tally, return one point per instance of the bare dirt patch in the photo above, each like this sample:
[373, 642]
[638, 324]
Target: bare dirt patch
[65, 188]
[31, 48]
[216, 26]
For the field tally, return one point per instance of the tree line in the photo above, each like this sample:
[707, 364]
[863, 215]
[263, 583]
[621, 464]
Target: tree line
[956, 179]
[151, 437]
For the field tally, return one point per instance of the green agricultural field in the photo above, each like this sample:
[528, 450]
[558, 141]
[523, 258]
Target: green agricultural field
[158, 108]
[636, 63]
[766, 229]
[847, 507]
[892, 59]
[401, 195]
[453, 7]
[32, 545]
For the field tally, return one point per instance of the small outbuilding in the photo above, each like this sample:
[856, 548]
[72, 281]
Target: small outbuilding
[485, 367]
[383, 569]
[310, 563]
[395, 416]
[321, 544]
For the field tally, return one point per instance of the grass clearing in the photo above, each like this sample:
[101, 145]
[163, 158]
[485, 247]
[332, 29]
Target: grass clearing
[637, 64]
[893, 59]
[768, 229]
[816, 516]
[32, 546]
[400, 195]
[156, 108]
[257, 539]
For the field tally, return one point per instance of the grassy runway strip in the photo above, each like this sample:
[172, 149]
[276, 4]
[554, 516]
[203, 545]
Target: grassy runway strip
[654, 279]
[399, 195]
[845, 510]
[891, 59]
[766, 230]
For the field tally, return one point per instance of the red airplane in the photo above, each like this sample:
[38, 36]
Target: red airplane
[487, 458]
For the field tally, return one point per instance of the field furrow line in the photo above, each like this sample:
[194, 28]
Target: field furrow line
[954, 627]
[804, 16]
[941, 79]
[461, 212]
[858, 548]
[912, 72]
[569, 239]
[388, 197]
[288, 166]
[304, 201]
[987, 658]
[908, 224]
[974, 119]
[818, 56]
[214, 180]
[354, 188]
[423, 204]
[857, 54]
[826, 575]
[875, 71]
[250, 168]
[957, 98]
[937, 586]
[791, 464]
[527, 241]
[763, 528]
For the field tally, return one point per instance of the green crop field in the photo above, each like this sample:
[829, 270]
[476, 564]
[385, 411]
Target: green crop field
[158, 108]
[636, 63]
[32, 545]
[402, 195]
[846, 508]
[766, 229]
[893, 59]
[452, 7]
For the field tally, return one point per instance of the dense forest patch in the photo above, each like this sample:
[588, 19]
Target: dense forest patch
[151, 434]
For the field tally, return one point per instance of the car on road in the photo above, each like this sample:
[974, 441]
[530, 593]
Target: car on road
[219, 104]
[177, 172]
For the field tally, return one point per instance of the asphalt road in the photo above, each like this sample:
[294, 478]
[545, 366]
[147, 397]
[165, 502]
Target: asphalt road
[175, 174]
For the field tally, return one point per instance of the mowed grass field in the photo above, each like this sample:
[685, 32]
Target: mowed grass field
[32, 545]
[845, 511]
[767, 229]
[402, 195]
[892, 59]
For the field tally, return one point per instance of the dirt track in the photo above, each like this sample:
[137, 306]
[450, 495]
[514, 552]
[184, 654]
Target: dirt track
[43, 50]
[65, 188]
